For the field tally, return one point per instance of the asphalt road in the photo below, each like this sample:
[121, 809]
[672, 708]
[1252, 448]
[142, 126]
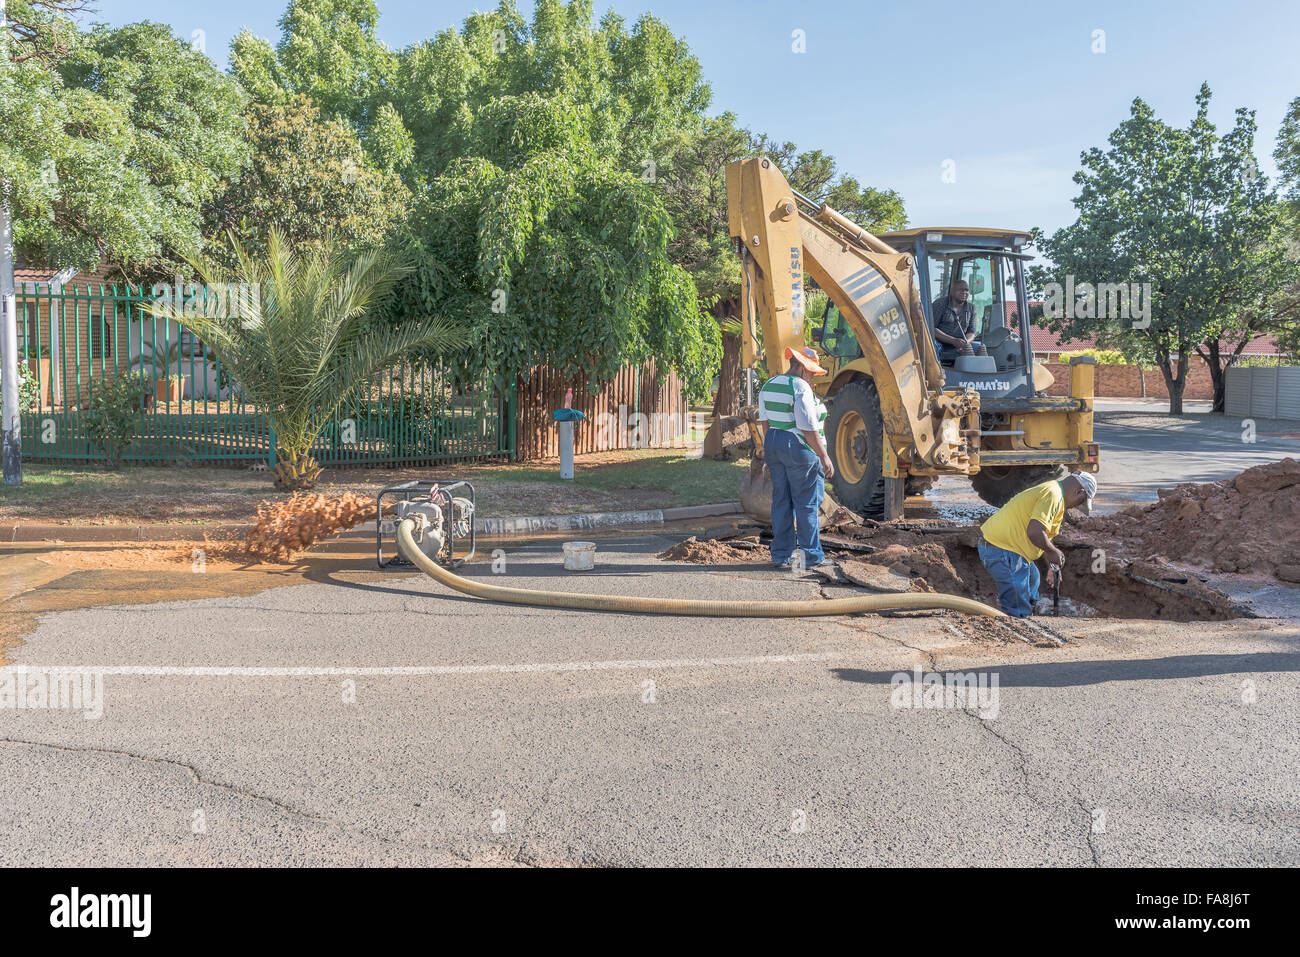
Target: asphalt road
[1136, 461]
[554, 738]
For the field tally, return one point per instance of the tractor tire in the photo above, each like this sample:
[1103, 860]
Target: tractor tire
[997, 486]
[854, 434]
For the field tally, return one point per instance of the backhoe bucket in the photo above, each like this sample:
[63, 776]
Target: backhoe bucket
[756, 492]
[756, 498]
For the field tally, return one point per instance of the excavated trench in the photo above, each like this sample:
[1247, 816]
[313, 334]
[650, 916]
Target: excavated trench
[1094, 583]
[1115, 589]
[945, 558]
[1129, 564]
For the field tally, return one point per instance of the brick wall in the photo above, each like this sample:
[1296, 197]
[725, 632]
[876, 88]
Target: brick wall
[1117, 382]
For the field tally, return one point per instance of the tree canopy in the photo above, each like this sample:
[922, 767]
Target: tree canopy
[111, 139]
[329, 53]
[1185, 210]
[1286, 306]
[540, 227]
[311, 180]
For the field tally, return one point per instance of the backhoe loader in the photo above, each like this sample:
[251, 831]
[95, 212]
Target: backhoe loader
[898, 418]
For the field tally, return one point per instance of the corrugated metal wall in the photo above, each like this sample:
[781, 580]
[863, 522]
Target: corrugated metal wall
[611, 412]
[1236, 391]
[1288, 392]
[1269, 392]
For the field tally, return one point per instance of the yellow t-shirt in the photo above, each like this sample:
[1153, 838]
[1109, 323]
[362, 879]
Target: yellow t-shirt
[1009, 526]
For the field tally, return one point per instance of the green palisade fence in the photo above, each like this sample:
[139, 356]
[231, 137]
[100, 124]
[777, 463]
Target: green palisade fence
[70, 339]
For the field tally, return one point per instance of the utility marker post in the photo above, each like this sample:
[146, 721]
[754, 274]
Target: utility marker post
[566, 449]
[567, 417]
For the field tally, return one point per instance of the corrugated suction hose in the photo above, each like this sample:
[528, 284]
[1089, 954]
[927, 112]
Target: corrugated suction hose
[681, 606]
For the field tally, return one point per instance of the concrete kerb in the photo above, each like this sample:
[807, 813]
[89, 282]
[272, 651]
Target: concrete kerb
[518, 525]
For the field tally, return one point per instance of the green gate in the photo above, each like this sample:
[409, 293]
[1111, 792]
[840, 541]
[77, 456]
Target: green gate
[191, 410]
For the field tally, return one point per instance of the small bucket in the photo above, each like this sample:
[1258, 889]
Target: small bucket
[579, 556]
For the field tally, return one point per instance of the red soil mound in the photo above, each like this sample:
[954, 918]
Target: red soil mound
[1249, 524]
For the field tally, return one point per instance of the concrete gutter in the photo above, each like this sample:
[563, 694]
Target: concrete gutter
[494, 527]
[566, 523]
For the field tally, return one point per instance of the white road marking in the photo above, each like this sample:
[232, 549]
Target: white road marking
[223, 671]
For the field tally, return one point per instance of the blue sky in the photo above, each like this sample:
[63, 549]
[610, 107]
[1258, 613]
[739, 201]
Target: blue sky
[1010, 91]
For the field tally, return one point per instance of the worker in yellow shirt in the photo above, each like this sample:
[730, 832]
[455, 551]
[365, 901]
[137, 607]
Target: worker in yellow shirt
[1016, 543]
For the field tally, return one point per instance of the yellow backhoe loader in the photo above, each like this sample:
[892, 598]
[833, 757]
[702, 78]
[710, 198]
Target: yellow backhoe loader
[898, 417]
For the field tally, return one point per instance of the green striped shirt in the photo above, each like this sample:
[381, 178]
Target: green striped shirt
[788, 403]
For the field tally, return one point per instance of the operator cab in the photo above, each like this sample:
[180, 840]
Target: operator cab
[991, 262]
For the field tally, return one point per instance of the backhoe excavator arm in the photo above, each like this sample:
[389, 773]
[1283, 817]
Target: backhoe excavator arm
[873, 286]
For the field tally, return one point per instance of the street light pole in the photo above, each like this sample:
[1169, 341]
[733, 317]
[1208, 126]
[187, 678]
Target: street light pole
[10, 425]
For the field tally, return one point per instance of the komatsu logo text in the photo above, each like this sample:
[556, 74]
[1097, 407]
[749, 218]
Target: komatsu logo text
[796, 291]
[990, 385]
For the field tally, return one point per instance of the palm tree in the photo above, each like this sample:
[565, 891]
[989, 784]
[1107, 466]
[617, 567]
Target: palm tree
[292, 332]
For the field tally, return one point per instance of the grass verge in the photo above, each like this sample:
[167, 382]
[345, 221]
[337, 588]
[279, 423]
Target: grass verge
[605, 481]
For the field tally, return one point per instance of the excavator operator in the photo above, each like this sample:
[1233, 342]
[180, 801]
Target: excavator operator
[954, 324]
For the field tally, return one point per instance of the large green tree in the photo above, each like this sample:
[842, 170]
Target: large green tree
[632, 89]
[329, 52]
[530, 147]
[110, 140]
[541, 227]
[1287, 154]
[1187, 211]
[1286, 305]
[310, 179]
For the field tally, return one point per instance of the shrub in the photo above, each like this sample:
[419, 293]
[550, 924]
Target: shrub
[112, 422]
[815, 303]
[1104, 357]
[1263, 362]
[29, 394]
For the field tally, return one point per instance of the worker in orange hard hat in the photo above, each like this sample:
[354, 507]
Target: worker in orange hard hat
[795, 452]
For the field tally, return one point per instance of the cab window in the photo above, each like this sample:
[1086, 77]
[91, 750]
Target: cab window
[940, 272]
[978, 273]
[837, 338]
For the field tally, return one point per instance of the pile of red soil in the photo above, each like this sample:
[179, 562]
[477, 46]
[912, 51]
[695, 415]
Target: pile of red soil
[286, 528]
[714, 552]
[1249, 524]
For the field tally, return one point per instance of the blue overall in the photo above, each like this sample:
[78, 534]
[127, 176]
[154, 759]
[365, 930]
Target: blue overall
[1016, 577]
[797, 490]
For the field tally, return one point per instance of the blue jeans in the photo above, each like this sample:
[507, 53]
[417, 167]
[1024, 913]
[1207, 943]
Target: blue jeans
[797, 490]
[1016, 578]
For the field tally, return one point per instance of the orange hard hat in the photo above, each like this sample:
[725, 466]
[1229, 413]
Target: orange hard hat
[807, 358]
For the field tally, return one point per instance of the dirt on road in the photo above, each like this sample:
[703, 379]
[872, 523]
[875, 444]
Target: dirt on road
[1153, 561]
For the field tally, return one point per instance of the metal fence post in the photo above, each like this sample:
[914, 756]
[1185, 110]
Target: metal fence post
[510, 398]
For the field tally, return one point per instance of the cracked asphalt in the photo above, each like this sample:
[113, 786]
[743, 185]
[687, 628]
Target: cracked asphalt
[377, 719]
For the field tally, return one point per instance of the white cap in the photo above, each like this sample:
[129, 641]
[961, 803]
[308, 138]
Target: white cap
[1089, 483]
